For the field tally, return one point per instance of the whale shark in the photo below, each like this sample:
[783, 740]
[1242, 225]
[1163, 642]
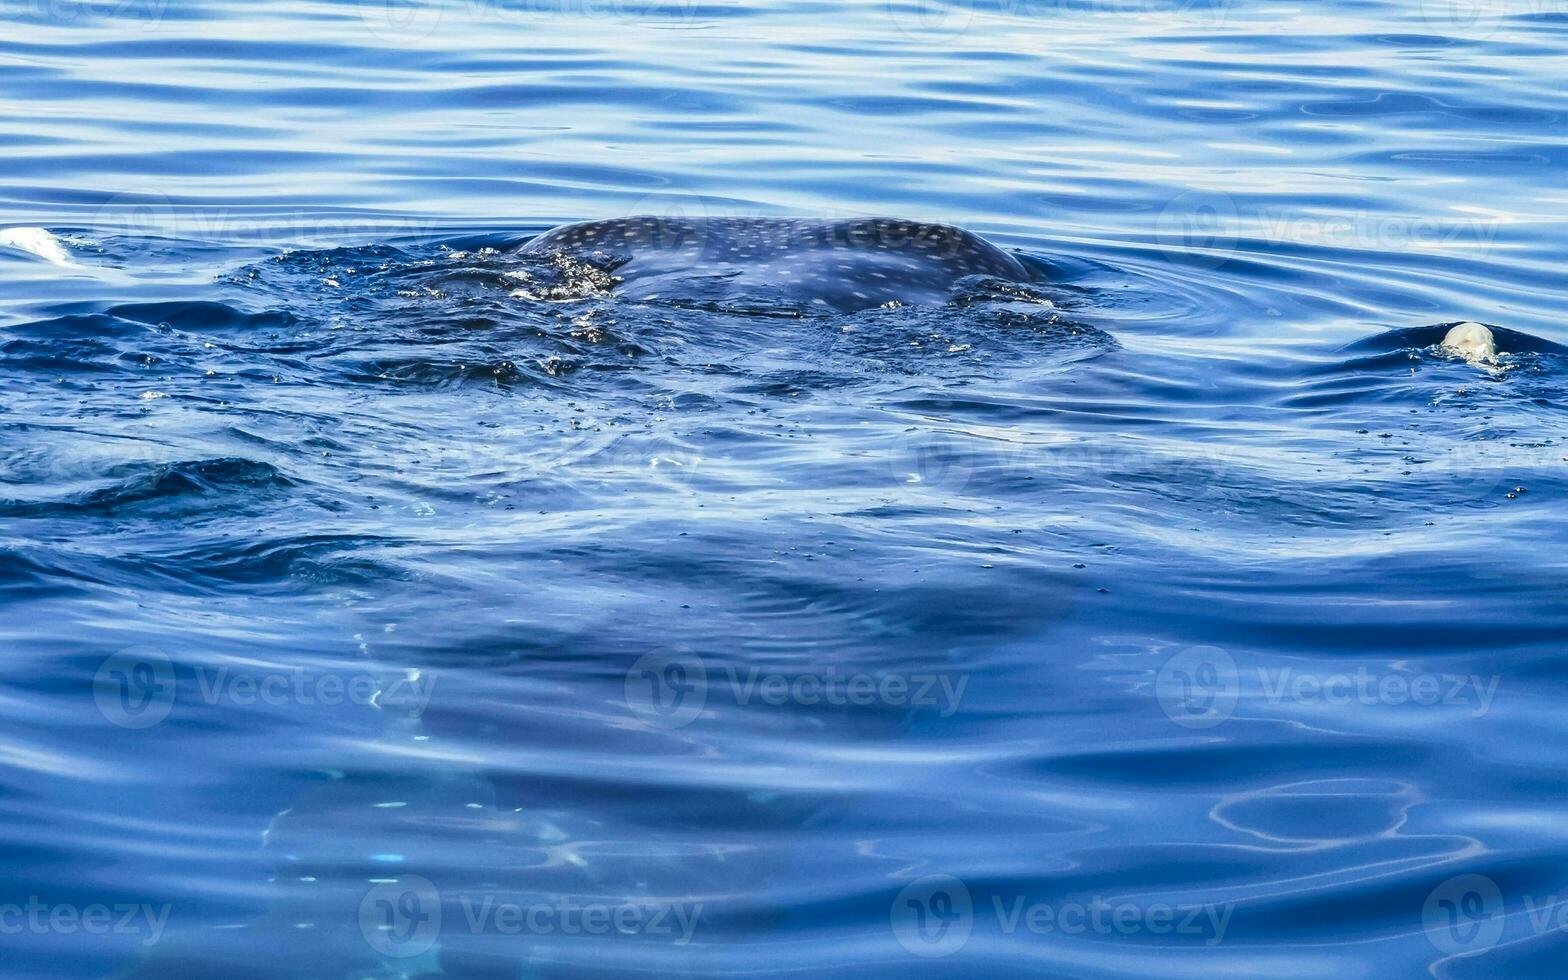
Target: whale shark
[844, 265]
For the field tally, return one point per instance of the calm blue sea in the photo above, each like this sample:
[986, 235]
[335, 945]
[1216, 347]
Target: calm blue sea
[365, 614]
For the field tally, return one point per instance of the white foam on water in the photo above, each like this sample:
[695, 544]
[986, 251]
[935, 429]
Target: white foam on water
[1473, 342]
[36, 242]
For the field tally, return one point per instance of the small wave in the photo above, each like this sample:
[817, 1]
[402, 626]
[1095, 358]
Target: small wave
[140, 486]
[278, 563]
[204, 316]
[38, 243]
[1419, 338]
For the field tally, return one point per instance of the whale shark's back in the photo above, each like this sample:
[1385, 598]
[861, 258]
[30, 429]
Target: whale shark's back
[843, 265]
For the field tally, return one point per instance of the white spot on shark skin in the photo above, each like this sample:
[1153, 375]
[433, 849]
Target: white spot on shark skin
[1473, 342]
[36, 242]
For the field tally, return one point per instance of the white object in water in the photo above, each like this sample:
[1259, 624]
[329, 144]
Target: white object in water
[1472, 341]
[36, 241]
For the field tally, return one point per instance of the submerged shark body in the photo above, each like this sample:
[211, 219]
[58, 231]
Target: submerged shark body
[841, 265]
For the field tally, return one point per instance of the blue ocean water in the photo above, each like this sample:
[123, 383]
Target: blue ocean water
[371, 612]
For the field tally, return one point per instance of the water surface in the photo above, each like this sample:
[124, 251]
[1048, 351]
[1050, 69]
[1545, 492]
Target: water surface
[372, 614]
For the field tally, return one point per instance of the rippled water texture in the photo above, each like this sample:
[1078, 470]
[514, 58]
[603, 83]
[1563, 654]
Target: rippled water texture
[380, 601]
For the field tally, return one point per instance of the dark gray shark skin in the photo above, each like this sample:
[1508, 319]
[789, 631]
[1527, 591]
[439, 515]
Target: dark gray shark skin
[844, 265]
